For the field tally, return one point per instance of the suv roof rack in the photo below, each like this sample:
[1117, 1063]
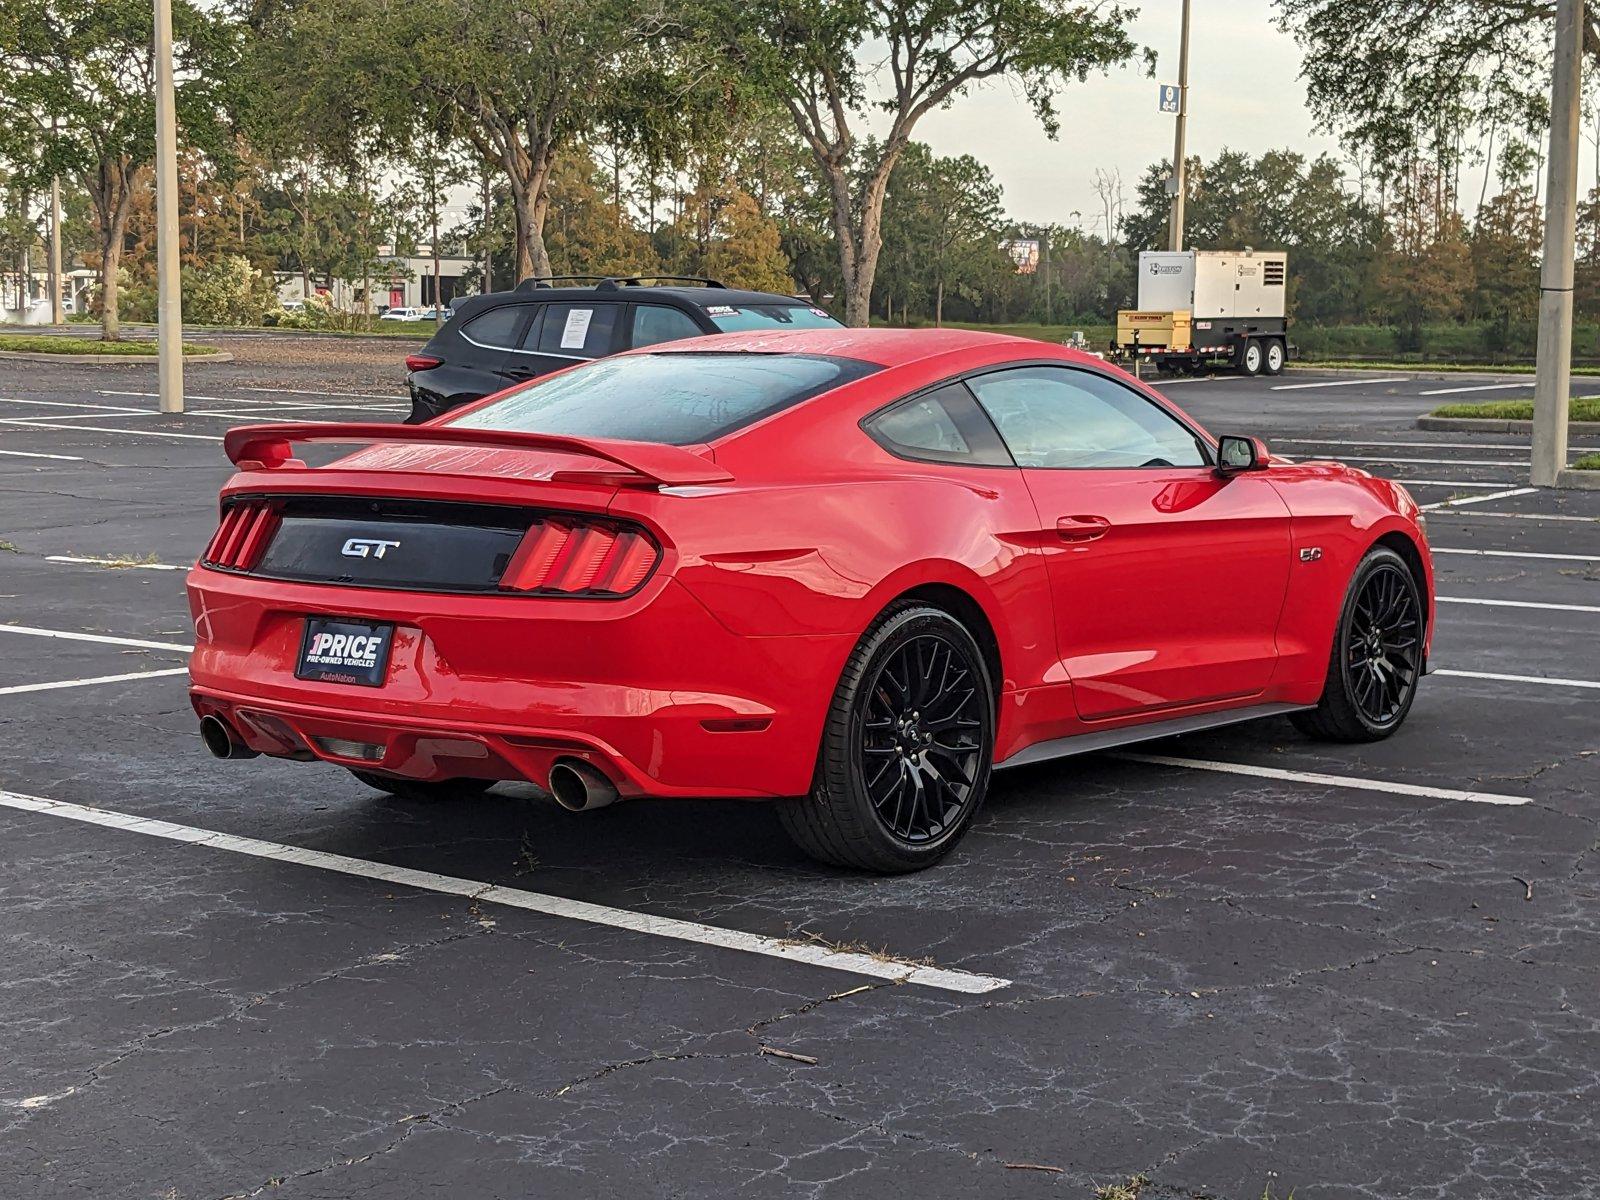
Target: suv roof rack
[534, 282]
[611, 283]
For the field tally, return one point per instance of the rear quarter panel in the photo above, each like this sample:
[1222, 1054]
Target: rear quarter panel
[1338, 513]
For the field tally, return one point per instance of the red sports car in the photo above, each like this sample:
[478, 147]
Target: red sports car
[853, 571]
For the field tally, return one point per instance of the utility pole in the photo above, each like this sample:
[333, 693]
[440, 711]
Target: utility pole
[1552, 391]
[169, 298]
[55, 252]
[1179, 169]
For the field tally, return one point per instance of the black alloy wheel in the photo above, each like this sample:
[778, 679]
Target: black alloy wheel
[1383, 646]
[1376, 660]
[906, 748]
[921, 738]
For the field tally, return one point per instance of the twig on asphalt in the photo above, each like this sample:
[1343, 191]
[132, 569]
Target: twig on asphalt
[1035, 1167]
[790, 1054]
[1525, 884]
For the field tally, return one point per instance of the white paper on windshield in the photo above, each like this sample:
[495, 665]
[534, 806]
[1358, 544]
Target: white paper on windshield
[577, 328]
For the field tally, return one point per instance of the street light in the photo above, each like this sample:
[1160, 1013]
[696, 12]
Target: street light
[1553, 387]
[169, 297]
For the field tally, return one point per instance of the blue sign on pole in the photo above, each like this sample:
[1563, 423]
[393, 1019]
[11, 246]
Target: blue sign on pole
[1170, 102]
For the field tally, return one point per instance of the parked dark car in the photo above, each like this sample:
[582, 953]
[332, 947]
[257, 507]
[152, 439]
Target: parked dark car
[492, 342]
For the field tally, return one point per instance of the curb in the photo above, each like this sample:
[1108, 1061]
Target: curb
[82, 359]
[1492, 425]
[1425, 373]
[1583, 481]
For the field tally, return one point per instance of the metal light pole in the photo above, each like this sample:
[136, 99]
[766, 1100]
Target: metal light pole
[55, 252]
[169, 298]
[1552, 391]
[1179, 170]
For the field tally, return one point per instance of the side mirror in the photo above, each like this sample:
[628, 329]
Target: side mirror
[1235, 454]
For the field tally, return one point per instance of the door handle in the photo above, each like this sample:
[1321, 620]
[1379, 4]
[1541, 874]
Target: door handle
[1081, 529]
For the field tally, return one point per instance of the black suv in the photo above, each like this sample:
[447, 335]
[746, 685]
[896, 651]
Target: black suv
[494, 341]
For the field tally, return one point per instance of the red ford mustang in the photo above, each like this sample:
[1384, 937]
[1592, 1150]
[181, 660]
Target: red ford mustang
[854, 571]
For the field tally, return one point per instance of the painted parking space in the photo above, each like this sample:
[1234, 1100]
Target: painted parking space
[1264, 913]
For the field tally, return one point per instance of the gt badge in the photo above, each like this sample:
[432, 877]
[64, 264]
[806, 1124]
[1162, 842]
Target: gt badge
[367, 548]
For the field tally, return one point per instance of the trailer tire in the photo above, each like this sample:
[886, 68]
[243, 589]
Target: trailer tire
[1276, 356]
[1251, 357]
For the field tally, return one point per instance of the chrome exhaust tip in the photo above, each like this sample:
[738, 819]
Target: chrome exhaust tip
[578, 787]
[221, 741]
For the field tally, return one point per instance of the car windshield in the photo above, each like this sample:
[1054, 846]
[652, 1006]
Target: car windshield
[678, 399]
[735, 318]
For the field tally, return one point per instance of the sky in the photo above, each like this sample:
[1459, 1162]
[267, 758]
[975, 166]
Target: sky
[1244, 93]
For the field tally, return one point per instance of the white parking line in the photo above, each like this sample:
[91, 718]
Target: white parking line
[18, 689]
[102, 415]
[1342, 781]
[166, 433]
[1456, 483]
[1295, 387]
[102, 409]
[1517, 554]
[965, 982]
[1435, 462]
[1594, 608]
[1510, 516]
[304, 392]
[113, 562]
[1485, 387]
[31, 454]
[104, 639]
[1548, 680]
[1478, 499]
[1524, 446]
[156, 395]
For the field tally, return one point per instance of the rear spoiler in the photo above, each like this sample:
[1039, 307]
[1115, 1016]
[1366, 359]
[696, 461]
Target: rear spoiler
[270, 447]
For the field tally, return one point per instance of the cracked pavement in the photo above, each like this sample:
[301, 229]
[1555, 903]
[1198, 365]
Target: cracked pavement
[1224, 983]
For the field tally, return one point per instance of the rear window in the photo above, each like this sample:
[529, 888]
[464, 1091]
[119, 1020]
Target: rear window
[734, 318]
[678, 399]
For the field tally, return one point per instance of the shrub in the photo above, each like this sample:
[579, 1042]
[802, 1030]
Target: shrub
[228, 291]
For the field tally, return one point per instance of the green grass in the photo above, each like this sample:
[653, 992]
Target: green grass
[1589, 462]
[39, 343]
[1584, 408]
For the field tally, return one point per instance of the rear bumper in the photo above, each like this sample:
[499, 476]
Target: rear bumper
[652, 690]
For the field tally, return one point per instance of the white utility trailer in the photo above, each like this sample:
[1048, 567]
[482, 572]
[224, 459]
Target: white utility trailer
[1204, 308]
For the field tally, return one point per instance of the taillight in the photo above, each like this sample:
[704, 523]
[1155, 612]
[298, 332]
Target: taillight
[422, 362]
[571, 556]
[242, 537]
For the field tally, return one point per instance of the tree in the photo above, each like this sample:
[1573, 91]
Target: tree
[1505, 245]
[79, 85]
[1277, 201]
[1396, 76]
[1425, 272]
[515, 79]
[819, 59]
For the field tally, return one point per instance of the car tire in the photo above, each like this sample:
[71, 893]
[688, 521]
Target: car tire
[424, 791]
[1376, 660]
[1251, 357]
[905, 758]
[1275, 357]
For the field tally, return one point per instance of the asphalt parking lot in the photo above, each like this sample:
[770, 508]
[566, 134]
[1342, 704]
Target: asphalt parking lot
[1238, 963]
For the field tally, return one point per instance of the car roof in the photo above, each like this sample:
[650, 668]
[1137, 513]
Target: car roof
[884, 347]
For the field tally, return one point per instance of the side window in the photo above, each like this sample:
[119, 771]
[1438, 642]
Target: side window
[496, 328]
[1058, 417]
[944, 425]
[578, 330]
[655, 323]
